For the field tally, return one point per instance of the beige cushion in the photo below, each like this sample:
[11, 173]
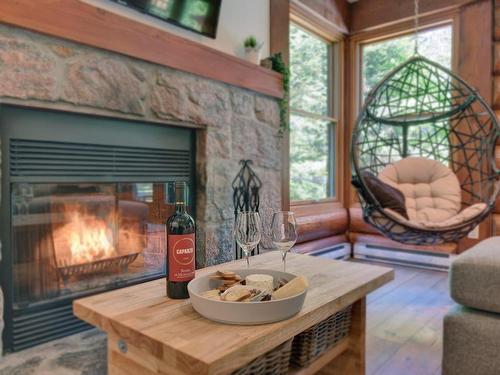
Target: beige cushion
[432, 191]
[463, 216]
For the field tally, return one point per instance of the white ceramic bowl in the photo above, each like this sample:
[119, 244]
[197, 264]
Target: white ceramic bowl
[244, 313]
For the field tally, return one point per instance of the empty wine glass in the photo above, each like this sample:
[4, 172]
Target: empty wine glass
[247, 232]
[284, 233]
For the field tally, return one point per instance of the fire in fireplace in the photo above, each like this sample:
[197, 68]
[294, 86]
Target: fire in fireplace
[84, 216]
[70, 238]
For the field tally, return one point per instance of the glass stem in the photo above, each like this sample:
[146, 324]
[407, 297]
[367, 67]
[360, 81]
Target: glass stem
[247, 256]
[283, 257]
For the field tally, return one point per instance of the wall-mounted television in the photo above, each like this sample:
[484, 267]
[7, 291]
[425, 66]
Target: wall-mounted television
[200, 16]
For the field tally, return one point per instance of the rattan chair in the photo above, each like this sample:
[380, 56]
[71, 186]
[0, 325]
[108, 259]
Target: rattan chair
[421, 109]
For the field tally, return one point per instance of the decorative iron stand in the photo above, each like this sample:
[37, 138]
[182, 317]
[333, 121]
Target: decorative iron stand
[246, 186]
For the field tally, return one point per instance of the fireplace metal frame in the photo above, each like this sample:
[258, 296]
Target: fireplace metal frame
[48, 125]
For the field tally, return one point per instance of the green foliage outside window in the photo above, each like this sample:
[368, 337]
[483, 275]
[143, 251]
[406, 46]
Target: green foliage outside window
[310, 136]
[380, 58]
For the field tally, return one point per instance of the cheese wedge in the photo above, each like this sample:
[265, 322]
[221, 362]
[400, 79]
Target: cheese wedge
[292, 288]
[260, 281]
[236, 293]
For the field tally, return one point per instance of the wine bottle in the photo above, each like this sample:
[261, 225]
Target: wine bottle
[180, 246]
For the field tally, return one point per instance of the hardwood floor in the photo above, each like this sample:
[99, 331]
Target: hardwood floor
[404, 323]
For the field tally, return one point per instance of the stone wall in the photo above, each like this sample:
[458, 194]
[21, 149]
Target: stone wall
[234, 124]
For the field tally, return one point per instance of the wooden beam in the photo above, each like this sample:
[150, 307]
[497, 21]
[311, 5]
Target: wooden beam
[336, 12]
[317, 22]
[367, 15]
[320, 220]
[87, 24]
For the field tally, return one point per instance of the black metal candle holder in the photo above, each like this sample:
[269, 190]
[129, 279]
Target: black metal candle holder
[246, 186]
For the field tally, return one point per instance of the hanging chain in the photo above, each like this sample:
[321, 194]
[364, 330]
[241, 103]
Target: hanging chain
[416, 27]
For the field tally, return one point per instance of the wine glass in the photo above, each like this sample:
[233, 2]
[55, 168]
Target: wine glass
[247, 232]
[284, 233]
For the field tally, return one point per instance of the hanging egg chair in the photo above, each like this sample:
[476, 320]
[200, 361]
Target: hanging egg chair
[424, 136]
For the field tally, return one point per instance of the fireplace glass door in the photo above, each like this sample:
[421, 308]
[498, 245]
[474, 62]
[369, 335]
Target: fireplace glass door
[72, 239]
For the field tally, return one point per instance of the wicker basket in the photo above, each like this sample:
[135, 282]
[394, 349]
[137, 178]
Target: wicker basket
[273, 362]
[310, 344]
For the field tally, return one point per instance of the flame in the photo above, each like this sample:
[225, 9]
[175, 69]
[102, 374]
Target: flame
[90, 240]
[84, 238]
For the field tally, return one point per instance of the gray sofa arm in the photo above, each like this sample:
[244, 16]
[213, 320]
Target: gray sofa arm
[475, 276]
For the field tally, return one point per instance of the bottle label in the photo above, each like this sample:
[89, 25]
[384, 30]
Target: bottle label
[181, 253]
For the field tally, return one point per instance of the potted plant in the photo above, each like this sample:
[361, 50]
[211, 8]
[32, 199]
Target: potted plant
[252, 50]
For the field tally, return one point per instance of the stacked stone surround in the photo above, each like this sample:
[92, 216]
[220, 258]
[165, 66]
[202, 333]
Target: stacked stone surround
[233, 123]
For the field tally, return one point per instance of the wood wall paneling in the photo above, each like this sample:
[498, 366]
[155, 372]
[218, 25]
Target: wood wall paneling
[327, 18]
[497, 21]
[322, 224]
[476, 46]
[370, 14]
[496, 223]
[497, 158]
[357, 224]
[321, 244]
[335, 11]
[85, 23]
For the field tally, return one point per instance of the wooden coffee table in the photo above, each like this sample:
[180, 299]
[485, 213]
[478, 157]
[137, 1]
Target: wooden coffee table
[151, 334]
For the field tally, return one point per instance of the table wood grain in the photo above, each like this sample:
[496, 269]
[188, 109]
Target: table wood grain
[168, 336]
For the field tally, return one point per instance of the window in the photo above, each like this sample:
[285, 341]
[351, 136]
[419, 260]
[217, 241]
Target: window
[379, 58]
[312, 122]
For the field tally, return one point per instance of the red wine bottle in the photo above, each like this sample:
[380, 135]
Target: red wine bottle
[180, 247]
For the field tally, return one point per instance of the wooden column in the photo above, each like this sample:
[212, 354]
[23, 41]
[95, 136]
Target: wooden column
[279, 40]
[475, 62]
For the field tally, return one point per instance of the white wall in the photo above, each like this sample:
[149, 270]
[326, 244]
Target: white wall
[238, 19]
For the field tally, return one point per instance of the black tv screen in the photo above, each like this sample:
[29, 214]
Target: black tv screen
[201, 16]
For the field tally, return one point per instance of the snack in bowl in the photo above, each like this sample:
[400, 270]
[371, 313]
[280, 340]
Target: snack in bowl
[212, 293]
[239, 303]
[292, 288]
[228, 278]
[236, 293]
[262, 281]
[254, 287]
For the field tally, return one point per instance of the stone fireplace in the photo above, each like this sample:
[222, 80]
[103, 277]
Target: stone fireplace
[85, 203]
[228, 123]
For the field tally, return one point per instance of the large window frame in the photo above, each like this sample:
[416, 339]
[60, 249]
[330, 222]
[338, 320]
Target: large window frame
[334, 117]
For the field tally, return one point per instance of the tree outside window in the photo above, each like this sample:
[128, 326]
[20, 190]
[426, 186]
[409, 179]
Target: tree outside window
[312, 126]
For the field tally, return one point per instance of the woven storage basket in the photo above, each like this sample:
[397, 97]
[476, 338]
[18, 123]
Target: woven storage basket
[310, 344]
[273, 362]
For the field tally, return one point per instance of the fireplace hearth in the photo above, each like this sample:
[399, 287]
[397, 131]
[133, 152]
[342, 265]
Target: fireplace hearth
[84, 201]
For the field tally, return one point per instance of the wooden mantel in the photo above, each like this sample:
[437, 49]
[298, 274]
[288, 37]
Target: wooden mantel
[87, 24]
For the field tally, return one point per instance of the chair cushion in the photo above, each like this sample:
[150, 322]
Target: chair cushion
[388, 196]
[432, 191]
[475, 276]
[463, 216]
